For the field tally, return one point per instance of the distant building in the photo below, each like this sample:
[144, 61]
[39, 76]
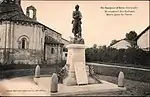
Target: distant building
[121, 44]
[143, 39]
[23, 39]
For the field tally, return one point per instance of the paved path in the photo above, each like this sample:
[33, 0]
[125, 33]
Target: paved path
[24, 86]
[21, 87]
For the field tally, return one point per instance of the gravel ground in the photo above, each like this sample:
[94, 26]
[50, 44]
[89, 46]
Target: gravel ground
[134, 88]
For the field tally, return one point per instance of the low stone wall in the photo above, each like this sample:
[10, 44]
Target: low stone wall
[137, 74]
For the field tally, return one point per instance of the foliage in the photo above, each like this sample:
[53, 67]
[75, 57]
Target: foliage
[131, 35]
[113, 42]
[112, 55]
[95, 46]
[19, 65]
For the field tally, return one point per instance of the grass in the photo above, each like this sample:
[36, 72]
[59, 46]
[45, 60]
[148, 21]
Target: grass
[134, 88]
[127, 65]
[130, 73]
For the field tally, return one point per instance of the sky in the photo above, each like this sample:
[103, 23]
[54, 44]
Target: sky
[97, 27]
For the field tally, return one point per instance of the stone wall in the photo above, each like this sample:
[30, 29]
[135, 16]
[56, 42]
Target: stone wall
[21, 56]
[57, 36]
[56, 57]
[11, 32]
[53, 57]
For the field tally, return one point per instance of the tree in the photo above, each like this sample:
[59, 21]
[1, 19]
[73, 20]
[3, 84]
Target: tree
[112, 55]
[104, 47]
[95, 46]
[131, 35]
[113, 42]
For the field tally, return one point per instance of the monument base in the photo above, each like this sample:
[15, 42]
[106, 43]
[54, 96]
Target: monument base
[70, 80]
[77, 72]
[77, 41]
[104, 87]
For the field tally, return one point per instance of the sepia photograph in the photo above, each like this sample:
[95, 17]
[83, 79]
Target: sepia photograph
[74, 48]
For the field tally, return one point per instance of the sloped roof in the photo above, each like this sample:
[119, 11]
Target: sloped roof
[65, 40]
[13, 12]
[117, 45]
[131, 42]
[142, 33]
[50, 40]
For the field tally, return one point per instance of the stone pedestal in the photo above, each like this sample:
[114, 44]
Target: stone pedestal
[76, 54]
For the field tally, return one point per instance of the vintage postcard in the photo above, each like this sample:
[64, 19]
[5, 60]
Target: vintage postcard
[74, 48]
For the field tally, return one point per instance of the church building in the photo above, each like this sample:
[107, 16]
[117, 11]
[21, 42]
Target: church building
[25, 40]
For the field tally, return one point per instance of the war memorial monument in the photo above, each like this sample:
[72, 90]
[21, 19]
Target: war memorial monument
[77, 78]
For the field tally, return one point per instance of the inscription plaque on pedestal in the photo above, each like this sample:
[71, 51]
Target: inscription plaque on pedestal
[80, 72]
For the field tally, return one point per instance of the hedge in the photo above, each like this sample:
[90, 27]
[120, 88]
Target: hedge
[112, 55]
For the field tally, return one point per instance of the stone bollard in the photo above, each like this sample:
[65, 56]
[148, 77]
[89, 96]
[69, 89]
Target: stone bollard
[121, 79]
[37, 71]
[54, 83]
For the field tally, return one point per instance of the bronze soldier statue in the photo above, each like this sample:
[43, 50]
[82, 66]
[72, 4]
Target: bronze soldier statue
[77, 16]
[76, 30]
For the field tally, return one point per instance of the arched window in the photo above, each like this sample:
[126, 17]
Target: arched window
[23, 42]
[31, 13]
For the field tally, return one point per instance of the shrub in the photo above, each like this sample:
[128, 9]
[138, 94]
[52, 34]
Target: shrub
[12, 66]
